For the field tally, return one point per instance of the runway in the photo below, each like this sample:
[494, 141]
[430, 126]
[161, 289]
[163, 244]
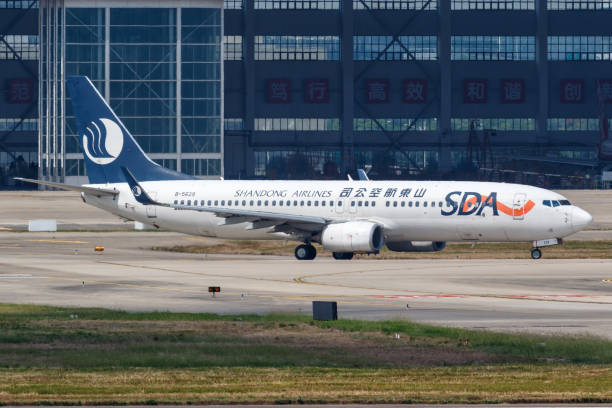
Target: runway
[545, 296]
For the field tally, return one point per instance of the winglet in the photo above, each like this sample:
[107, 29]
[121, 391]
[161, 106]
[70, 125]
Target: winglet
[139, 193]
[362, 175]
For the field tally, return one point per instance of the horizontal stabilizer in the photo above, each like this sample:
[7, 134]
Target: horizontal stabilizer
[96, 191]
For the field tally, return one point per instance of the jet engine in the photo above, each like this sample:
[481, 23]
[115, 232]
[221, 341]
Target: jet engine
[416, 246]
[353, 236]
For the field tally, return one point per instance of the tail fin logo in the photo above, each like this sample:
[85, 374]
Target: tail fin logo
[103, 141]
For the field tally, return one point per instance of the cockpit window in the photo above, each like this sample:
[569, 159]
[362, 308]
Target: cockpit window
[555, 203]
[564, 202]
[546, 203]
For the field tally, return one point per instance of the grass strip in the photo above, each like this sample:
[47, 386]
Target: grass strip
[507, 250]
[54, 355]
[488, 384]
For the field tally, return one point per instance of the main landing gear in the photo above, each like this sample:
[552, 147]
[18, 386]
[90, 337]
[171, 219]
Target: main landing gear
[305, 252]
[343, 255]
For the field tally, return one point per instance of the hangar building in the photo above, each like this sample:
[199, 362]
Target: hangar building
[513, 90]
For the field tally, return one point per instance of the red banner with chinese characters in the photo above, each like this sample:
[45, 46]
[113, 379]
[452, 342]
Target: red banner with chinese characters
[414, 90]
[20, 90]
[512, 90]
[474, 91]
[278, 90]
[316, 90]
[572, 90]
[377, 90]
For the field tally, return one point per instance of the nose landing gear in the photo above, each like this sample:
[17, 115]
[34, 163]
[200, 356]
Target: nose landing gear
[536, 253]
[305, 252]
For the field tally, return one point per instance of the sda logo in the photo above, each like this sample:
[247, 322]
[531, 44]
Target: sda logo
[137, 191]
[103, 141]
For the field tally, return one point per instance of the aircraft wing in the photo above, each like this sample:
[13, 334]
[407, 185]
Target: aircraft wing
[258, 219]
[95, 191]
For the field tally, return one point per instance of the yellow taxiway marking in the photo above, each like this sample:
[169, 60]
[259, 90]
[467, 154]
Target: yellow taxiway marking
[5, 229]
[10, 246]
[56, 241]
[607, 281]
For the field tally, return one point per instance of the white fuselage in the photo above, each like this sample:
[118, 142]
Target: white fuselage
[407, 210]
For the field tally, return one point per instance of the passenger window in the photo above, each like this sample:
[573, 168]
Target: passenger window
[216, 202]
[323, 203]
[546, 203]
[433, 203]
[416, 203]
[182, 202]
[366, 203]
[301, 203]
[308, 203]
[395, 203]
[244, 203]
[288, 203]
[403, 204]
[209, 203]
[175, 202]
[295, 203]
[388, 204]
[259, 202]
[555, 203]
[251, 203]
[236, 202]
[440, 204]
[339, 203]
[409, 203]
[331, 203]
[229, 203]
[222, 202]
[352, 203]
[266, 203]
[188, 202]
[359, 203]
[316, 203]
[273, 203]
[424, 203]
[373, 203]
[280, 203]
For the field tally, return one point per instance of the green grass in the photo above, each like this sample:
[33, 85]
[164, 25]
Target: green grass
[55, 355]
[505, 250]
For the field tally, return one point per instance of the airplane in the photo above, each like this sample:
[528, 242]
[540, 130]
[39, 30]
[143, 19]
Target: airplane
[345, 217]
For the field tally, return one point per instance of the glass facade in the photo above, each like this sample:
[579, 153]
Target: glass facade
[297, 47]
[385, 48]
[160, 69]
[493, 4]
[579, 48]
[492, 48]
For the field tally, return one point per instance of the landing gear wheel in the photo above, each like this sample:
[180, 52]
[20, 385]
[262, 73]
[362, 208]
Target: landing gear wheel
[305, 252]
[343, 255]
[536, 253]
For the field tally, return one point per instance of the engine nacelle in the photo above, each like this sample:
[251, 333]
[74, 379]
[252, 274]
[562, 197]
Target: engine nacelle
[416, 246]
[353, 236]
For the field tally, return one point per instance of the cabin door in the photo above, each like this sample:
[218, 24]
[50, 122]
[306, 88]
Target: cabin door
[152, 209]
[518, 206]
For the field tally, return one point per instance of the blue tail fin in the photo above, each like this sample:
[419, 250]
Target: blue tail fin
[107, 144]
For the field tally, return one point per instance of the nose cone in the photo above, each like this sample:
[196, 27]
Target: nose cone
[581, 219]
